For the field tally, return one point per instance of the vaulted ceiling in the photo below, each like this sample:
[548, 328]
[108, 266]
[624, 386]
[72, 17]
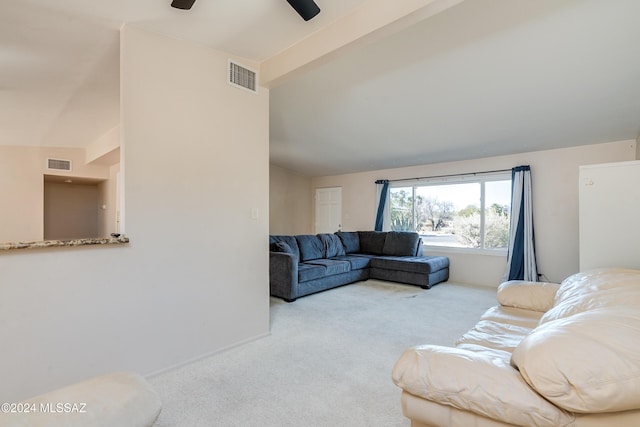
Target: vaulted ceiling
[59, 59]
[480, 78]
[483, 78]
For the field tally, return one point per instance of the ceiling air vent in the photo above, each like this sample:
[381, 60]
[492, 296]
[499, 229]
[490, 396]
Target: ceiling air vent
[59, 164]
[242, 77]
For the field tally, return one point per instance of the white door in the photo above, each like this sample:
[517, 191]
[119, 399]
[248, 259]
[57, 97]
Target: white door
[328, 210]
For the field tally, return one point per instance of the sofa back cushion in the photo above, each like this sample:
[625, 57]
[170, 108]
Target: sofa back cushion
[401, 243]
[584, 355]
[350, 241]
[287, 244]
[311, 247]
[606, 287]
[332, 245]
[372, 242]
[588, 362]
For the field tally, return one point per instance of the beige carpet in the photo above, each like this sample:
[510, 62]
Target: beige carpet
[327, 362]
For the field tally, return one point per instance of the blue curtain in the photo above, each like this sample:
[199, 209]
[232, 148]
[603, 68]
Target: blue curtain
[383, 189]
[521, 262]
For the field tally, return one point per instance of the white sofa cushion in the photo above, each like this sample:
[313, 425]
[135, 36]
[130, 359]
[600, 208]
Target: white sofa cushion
[496, 335]
[513, 316]
[588, 362]
[536, 296]
[596, 288]
[481, 381]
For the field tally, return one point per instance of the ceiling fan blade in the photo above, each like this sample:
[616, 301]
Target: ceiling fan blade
[305, 8]
[182, 4]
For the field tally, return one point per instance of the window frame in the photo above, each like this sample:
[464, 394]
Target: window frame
[479, 178]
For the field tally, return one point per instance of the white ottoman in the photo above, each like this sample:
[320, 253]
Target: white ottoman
[120, 399]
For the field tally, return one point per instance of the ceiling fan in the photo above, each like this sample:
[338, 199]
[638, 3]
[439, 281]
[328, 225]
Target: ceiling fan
[307, 9]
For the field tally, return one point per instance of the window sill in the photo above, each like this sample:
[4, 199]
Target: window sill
[464, 251]
[63, 243]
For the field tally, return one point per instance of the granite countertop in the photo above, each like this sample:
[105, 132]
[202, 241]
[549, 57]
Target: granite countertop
[62, 243]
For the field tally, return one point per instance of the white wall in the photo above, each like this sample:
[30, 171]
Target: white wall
[290, 202]
[194, 279]
[555, 198]
[609, 206]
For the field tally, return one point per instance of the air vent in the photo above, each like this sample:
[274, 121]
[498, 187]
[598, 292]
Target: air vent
[242, 77]
[59, 164]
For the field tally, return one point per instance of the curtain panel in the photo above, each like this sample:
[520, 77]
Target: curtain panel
[521, 262]
[382, 188]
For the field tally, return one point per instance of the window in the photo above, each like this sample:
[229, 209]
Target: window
[460, 212]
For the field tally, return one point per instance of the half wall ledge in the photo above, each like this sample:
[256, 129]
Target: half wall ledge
[61, 243]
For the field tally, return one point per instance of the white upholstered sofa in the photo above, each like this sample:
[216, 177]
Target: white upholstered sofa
[548, 355]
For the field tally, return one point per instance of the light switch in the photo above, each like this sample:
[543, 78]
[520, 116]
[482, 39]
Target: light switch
[255, 213]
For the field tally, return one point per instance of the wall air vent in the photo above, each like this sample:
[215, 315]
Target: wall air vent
[243, 77]
[59, 164]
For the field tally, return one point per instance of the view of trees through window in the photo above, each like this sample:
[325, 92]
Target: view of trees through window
[465, 215]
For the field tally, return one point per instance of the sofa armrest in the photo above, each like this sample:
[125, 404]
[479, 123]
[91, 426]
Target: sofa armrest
[480, 382]
[536, 296]
[283, 275]
[119, 399]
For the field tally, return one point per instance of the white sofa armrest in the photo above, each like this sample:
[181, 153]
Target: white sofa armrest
[480, 382]
[122, 399]
[536, 296]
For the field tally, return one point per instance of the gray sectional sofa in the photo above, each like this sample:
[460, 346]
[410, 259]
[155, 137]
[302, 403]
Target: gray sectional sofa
[305, 264]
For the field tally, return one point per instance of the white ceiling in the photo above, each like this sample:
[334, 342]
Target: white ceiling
[59, 59]
[486, 77]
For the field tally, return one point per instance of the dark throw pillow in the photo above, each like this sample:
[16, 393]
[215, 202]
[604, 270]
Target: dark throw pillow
[332, 245]
[288, 240]
[283, 247]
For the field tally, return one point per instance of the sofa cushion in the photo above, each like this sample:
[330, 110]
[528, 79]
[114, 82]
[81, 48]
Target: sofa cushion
[424, 265]
[308, 272]
[372, 242]
[513, 316]
[350, 241]
[401, 243]
[536, 296]
[283, 248]
[332, 245]
[481, 382]
[607, 287]
[332, 266]
[358, 262]
[497, 335]
[588, 362]
[311, 247]
[289, 240]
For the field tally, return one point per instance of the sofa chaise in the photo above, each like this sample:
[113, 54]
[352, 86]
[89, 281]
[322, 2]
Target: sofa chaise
[305, 264]
[549, 355]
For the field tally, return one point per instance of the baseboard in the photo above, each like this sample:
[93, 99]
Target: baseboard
[204, 356]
